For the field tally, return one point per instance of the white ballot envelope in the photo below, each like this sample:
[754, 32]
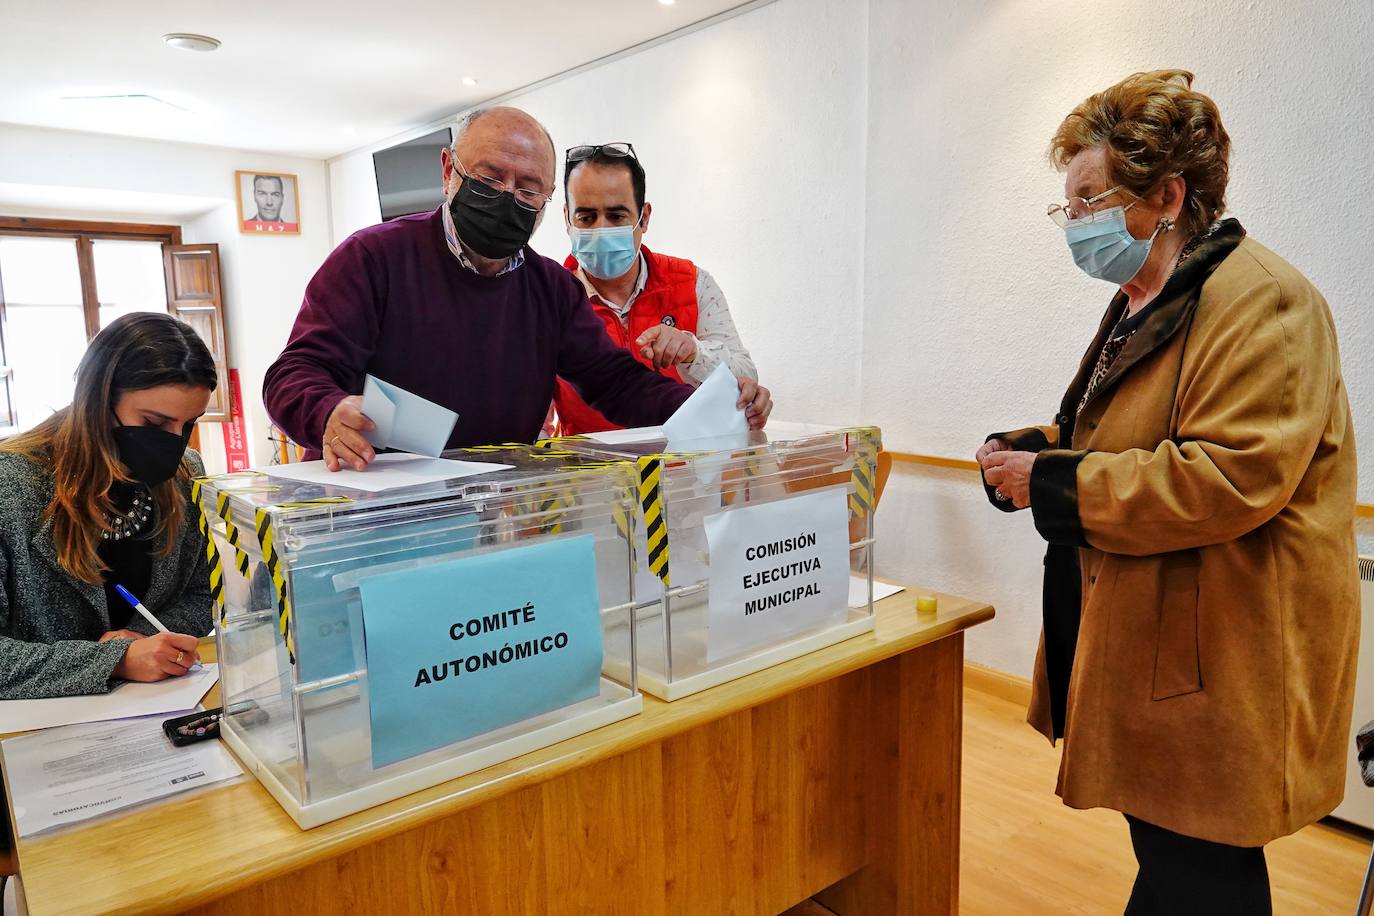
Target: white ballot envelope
[710, 412]
[405, 421]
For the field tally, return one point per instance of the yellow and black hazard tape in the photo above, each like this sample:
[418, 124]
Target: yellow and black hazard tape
[231, 532]
[317, 501]
[484, 449]
[655, 525]
[268, 543]
[862, 479]
[211, 551]
[556, 442]
[272, 559]
[861, 489]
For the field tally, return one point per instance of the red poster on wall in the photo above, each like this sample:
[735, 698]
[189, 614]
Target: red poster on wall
[235, 438]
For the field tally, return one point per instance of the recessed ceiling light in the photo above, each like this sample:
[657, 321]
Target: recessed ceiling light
[189, 42]
[469, 81]
[666, 2]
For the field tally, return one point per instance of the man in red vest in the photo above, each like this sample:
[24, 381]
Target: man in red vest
[666, 311]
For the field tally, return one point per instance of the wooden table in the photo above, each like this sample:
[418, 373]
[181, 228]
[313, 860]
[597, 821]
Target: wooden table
[835, 774]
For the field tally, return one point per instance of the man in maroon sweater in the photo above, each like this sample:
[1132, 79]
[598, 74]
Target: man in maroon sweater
[456, 307]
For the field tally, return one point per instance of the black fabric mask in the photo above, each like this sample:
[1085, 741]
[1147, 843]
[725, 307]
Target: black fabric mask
[494, 227]
[151, 455]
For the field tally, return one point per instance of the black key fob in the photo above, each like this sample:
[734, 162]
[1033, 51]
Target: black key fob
[197, 726]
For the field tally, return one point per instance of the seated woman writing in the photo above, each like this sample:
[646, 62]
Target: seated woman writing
[98, 495]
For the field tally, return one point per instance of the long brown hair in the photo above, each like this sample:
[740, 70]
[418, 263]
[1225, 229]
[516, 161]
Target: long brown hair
[136, 351]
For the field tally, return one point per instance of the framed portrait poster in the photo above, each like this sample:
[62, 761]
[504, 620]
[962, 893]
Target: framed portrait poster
[269, 203]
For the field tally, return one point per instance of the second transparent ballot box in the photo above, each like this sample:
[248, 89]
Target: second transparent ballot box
[749, 551]
[376, 642]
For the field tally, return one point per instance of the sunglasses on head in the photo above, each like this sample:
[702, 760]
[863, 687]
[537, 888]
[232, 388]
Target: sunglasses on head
[616, 150]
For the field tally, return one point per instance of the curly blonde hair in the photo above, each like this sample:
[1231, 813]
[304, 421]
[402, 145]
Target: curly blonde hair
[1154, 126]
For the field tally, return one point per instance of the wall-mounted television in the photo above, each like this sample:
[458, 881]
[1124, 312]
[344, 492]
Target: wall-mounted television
[408, 177]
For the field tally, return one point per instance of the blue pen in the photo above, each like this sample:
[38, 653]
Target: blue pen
[138, 606]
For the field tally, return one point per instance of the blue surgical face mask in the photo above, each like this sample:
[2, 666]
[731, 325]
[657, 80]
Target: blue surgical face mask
[1105, 248]
[605, 253]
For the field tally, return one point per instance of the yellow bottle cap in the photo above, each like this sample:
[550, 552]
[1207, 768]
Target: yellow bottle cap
[927, 604]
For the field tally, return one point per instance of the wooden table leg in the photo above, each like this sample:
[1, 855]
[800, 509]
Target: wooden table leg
[914, 781]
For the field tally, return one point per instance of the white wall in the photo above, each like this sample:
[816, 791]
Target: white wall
[975, 316]
[868, 181]
[93, 176]
[733, 123]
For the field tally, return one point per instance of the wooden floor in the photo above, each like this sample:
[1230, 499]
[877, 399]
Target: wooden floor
[1024, 852]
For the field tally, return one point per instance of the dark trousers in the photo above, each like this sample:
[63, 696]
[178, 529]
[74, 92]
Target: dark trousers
[1182, 875]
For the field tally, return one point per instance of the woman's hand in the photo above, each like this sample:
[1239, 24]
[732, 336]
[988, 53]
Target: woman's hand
[155, 658]
[664, 346]
[1010, 473]
[990, 446]
[120, 634]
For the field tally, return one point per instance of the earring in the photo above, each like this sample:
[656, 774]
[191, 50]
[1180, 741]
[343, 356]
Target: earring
[1166, 224]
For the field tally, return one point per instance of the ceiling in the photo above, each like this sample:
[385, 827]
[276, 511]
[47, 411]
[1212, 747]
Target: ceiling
[304, 77]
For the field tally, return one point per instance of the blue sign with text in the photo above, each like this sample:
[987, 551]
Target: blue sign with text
[460, 648]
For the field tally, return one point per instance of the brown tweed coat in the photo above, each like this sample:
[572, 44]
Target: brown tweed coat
[1202, 647]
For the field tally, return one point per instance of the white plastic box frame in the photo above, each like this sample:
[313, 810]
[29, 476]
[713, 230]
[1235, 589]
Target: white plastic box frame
[700, 479]
[301, 724]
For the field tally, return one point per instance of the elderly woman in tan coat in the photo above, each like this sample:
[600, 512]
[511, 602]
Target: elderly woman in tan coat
[1197, 490]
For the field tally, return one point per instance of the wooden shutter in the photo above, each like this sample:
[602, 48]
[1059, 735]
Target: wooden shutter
[7, 418]
[194, 295]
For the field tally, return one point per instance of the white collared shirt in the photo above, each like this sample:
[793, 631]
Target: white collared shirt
[716, 337]
[455, 245]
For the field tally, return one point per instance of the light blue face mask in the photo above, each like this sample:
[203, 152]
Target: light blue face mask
[605, 253]
[1105, 248]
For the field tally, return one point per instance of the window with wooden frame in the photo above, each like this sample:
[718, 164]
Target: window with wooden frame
[62, 281]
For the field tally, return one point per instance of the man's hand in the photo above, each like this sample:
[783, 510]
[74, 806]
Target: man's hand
[664, 346]
[755, 401]
[343, 436]
[1010, 473]
[156, 658]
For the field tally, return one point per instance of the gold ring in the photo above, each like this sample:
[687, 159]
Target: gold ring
[179, 655]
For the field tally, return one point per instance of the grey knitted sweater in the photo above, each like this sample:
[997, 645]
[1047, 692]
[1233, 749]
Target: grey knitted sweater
[50, 620]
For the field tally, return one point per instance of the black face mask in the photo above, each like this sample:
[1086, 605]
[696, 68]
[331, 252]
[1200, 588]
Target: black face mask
[151, 455]
[494, 227]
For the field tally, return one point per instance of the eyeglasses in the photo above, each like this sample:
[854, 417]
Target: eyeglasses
[489, 187]
[617, 150]
[1079, 209]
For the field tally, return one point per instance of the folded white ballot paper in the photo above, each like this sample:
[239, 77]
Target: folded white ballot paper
[125, 701]
[388, 472]
[64, 775]
[710, 413]
[405, 421]
[858, 590]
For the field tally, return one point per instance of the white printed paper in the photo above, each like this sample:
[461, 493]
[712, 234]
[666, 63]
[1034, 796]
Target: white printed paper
[405, 421]
[858, 591]
[388, 472]
[127, 700]
[710, 413]
[64, 775]
[777, 569]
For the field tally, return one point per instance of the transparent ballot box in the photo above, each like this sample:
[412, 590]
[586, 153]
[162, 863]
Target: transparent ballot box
[372, 644]
[744, 552]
